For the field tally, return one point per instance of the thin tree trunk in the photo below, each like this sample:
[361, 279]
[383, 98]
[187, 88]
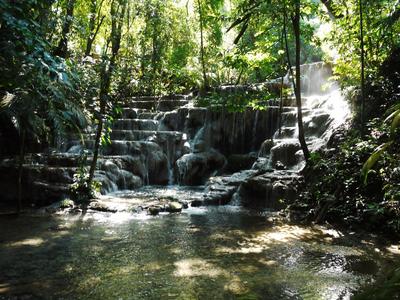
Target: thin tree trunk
[20, 170]
[296, 27]
[106, 75]
[62, 48]
[362, 67]
[203, 64]
[281, 87]
[93, 28]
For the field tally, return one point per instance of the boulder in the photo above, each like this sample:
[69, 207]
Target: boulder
[154, 210]
[285, 152]
[270, 190]
[174, 207]
[238, 162]
[266, 147]
[196, 168]
[100, 206]
[219, 190]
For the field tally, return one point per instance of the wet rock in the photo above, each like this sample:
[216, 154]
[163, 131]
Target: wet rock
[154, 210]
[100, 206]
[196, 203]
[184, 203]
[219, 190]
[174, 207]
[266, 147]
[173, 120]
[271, 190]
[199, 145]
[263, 165]
[66, 203]
[51, 210]
[156, 162]
[195, 120]
[317, 124]
[196, 168]
[238, 162]
[285, 152]
[279, 165]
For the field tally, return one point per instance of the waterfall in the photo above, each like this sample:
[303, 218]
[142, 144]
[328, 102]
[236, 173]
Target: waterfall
[254, 131]
[147, 145]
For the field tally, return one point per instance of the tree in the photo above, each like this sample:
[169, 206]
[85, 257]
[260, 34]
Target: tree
[295, 16]
[362, 65]
[37, 89]
[117, 13]
[95, 22]
[202, 56]
[297, 87]
[62, 47]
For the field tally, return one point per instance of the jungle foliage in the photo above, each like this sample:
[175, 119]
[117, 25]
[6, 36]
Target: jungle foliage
[68, 63]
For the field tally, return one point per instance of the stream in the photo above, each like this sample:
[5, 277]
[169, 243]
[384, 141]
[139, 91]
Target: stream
[216, 252]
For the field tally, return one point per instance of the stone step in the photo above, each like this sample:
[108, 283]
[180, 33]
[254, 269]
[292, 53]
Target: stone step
[155, 105]
[289, 118]
[286, 132]
[51, 174]
[136, 113]
[135, 124]
[157, 98]
[135, 135]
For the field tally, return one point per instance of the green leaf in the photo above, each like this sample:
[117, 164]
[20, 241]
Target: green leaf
[395, 122]
[371, 161]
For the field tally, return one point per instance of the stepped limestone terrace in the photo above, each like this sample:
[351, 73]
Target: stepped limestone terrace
[242, 157]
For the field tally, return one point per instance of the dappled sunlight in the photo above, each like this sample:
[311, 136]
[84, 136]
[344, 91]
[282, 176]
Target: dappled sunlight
[236, 286]
[28, 242]
[193, 267]
[113, 218]
[393, 249]
[4, 288]
[284, 234]
[244, 248]
[268, 263]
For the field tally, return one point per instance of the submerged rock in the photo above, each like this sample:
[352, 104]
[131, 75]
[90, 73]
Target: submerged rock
[174, 207]
[100, 206]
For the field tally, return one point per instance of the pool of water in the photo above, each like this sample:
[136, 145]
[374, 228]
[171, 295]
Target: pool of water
[222, 252]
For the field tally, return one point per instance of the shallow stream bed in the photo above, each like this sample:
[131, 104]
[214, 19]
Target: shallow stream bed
[223, 252]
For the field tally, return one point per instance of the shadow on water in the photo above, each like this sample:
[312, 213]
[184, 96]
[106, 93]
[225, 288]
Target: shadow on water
[203, 253]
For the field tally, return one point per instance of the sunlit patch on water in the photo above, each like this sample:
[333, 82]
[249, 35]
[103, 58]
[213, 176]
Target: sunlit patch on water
[197, 267]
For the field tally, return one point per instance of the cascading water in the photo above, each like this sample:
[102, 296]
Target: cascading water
[280, 157]
[189, 144]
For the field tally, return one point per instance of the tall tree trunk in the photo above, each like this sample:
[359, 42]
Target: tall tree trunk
[20, 169]
[362, 66]
[62, 48]
[118, 9]
[296, 27]
[283, 37]
[202, 56]
[93, 27]
[331, 12]
[92, 20]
